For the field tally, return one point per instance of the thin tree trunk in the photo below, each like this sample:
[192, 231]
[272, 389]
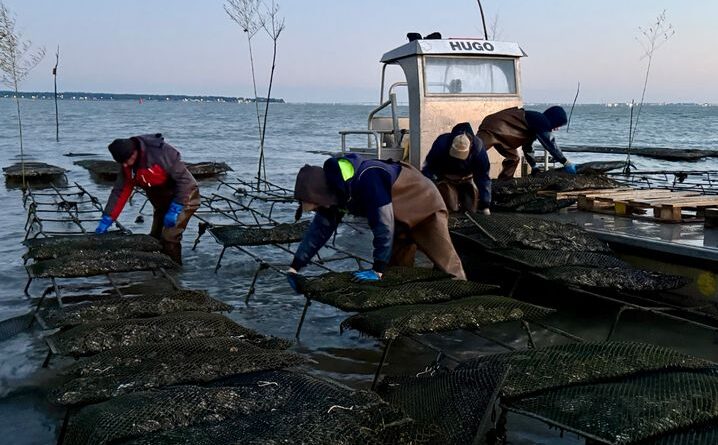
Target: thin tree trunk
[266, 112]
[254, 84]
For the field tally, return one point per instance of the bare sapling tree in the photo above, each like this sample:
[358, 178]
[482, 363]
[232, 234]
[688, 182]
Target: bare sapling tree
[246, 14]
[273, 25]
[17, 59]
[651, 39]
[57, 112]
[494, 28]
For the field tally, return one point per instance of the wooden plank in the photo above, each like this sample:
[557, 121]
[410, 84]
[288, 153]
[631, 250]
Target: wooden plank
[630, 193]
[689, 201]
[628, 196]
[648, 202]
[573, 194]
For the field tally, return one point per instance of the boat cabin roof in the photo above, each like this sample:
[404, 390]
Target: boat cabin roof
[454, 46]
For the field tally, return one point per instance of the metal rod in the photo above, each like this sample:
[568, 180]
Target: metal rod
[384, 354]
[301, 319]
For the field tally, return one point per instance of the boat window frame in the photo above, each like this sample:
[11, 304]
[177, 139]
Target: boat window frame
[458, 95]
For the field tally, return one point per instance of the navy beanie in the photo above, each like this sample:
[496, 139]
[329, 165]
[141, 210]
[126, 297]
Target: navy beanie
[121, 149]
[556, 116]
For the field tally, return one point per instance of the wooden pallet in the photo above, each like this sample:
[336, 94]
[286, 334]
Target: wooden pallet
[667, 206]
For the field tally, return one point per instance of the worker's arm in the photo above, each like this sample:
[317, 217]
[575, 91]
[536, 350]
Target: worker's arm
[549, 144]
[120, 193]
[323, 225]
[433, 159]
[374, 187]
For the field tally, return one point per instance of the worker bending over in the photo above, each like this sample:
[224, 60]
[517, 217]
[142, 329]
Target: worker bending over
[404, 210]
[509, 129]
[149, 162]
[459, 165]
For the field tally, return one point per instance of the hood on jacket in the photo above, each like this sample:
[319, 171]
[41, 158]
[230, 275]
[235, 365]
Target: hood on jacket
[556, 116]
[312, 186]
[463, 127]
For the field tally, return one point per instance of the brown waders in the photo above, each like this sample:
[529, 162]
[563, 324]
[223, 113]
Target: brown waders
[459, 193]
[431, 237]
[171, 237]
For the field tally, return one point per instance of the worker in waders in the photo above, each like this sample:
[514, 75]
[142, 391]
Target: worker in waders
[404, 209]
[459, 165]
[154, 165]
[509, 129]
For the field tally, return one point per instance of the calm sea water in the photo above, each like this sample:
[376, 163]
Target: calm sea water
[227, 132]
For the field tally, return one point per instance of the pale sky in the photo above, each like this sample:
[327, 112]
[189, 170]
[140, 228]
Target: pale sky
[330, 49]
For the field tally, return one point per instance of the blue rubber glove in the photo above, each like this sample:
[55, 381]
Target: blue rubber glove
[569, 168]
[293, 280]
[104, 224]
[362, 276]
[172, 214]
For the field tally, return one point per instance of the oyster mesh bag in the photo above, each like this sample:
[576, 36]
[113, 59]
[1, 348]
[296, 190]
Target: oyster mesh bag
[115, 308]
[394, 276]
[91, 338]
[267, 407]
[704, 435]
[467, 313]
[364, 298]
[614, 278]
[542, 259]
[139, 368]
[503, 230]
[536, 370]
[87, 263]
[239, 235]
[57, 246]
[456, 403]
[632, 410]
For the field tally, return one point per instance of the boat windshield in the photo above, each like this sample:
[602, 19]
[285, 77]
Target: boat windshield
[469, 75]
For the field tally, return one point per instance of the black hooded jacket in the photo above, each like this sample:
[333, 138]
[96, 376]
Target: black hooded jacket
[439, 163]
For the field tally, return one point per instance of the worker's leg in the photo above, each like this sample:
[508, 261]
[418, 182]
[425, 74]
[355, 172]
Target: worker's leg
[510, 163]
[172, 236]
[450, 195]
[403, 249]
[468, 196]
[432, 237]
[160, 208]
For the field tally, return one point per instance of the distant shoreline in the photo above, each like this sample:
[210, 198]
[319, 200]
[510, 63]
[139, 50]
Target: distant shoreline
[84, 96]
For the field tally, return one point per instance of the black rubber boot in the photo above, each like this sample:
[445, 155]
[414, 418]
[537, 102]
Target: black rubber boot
[174, 251]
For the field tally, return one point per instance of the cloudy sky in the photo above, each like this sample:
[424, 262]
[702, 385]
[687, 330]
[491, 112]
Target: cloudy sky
[330, 49]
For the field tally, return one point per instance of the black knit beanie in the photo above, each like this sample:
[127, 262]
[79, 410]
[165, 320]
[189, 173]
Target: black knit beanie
[121, 149]
[556, 115]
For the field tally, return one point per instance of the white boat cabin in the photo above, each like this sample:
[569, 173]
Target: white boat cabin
[448, 81]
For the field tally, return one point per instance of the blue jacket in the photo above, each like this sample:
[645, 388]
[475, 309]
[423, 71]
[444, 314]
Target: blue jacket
[439, 163]
[367, 194]
[541, 126]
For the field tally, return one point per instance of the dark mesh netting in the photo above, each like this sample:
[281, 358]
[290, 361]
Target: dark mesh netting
[543, 259]
[15, 325]
[466, 313]
[550, 181]
[616, 278]
[91, 338]
[365, 298]
[32, 170]
[635, 409]
[57, 246]
[95, 262]
[536, 370]
[532, 203]
[108, 170]
[457, 403]
[238, 235]
[394, 276]
[207, 169]
[133, 307]
[268, 407]
[498, 231]
[704, 435]
[139, 368]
